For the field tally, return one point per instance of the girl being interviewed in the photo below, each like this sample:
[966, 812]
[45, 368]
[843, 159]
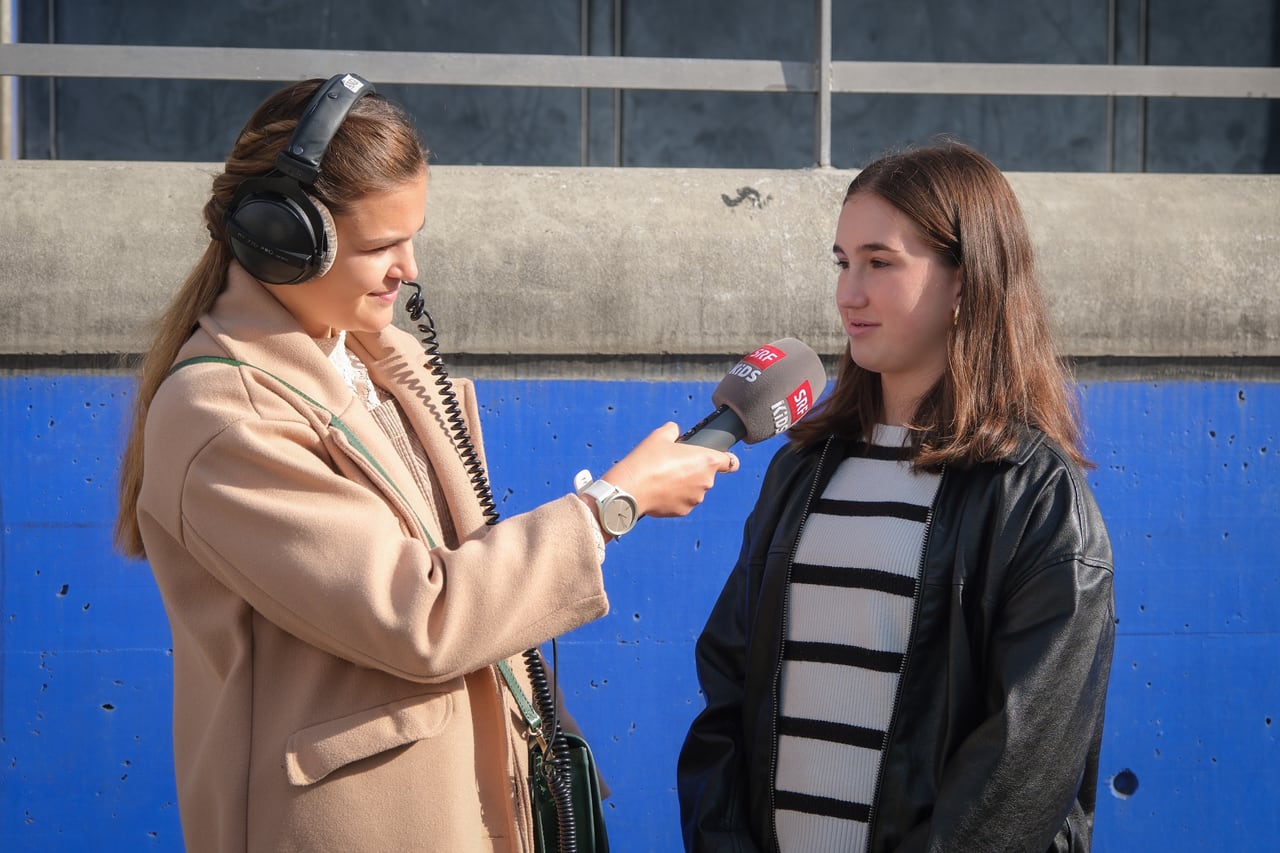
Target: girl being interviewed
[912, 651]
[337, 601]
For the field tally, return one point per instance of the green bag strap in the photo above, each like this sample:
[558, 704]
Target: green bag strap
[526, 707]
[334, 419]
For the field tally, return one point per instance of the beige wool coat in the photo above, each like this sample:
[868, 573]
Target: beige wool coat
[334, 686]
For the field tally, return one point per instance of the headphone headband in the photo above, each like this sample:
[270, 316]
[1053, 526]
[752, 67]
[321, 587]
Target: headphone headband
[320, 120]
[277, 231]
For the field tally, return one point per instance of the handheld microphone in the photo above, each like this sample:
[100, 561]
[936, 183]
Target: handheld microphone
[761, 396]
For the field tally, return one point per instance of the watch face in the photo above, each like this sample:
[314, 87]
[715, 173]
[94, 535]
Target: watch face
[618, 516]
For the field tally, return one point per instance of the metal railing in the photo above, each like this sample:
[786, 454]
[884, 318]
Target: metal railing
[821, 77]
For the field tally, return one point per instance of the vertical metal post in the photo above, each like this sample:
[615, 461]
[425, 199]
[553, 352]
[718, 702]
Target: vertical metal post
[8, 101]
[1144, 24]
[600, 136]
[52, 37]
[617, 93]
[1111, 99]
[822, 111]
[584, 94]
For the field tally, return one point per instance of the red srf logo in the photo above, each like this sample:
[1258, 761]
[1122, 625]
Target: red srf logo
[788, 411]
[800, 401]
[765, 357]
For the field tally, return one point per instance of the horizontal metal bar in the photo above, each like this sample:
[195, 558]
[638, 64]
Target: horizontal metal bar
[629, 72]
[438, 69]
[964, 78]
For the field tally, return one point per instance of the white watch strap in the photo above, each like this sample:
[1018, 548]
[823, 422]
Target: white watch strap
[601, 490]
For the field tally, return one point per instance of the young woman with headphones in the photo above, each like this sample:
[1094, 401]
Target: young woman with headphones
[339, 606]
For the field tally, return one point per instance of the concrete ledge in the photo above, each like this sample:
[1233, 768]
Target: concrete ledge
[647, 262]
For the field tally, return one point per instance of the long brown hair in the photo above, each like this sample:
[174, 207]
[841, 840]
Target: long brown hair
[375, 149]
[1003, 373]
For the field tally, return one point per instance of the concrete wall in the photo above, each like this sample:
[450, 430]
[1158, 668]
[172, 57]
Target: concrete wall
[571, 263]
[598, 304]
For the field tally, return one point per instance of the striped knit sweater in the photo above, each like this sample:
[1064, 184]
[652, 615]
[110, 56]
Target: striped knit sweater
[850, 607]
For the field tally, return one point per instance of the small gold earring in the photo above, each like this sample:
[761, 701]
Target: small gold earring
[955, 316]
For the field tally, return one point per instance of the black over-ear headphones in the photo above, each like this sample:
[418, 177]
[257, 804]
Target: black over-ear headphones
[278, 231]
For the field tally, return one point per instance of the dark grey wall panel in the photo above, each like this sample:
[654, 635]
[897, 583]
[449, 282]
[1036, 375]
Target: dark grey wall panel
[105, 119]
[1022, 133]
[1194, 135]
[1037, 134]
[970, 31]
[718, 130]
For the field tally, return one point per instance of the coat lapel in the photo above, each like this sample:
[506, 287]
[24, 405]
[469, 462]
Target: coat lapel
[395, 362]
[249, 325]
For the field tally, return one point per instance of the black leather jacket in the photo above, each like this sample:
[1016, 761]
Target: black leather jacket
[995, 736]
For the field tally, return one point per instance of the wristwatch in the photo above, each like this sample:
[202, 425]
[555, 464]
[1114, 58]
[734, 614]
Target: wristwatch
[616, 509]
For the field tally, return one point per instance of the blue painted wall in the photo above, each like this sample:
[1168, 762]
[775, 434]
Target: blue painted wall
[1188, 477]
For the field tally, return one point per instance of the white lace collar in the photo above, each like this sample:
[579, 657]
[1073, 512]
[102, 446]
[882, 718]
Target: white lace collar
[351, 369]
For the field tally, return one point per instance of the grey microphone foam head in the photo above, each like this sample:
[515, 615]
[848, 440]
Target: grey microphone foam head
[772, 387]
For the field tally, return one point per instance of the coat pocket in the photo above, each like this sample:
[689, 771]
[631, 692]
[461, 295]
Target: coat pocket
[316, 751]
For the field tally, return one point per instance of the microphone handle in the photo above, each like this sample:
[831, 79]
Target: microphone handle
[719, 430]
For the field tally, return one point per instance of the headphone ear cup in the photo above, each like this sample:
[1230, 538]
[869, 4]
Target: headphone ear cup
[329, 248]
[280, 234]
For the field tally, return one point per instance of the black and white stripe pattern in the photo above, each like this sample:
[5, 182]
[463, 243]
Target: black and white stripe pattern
[850, 606]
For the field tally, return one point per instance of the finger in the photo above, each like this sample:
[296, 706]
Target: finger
[733, 463]
[669, 431]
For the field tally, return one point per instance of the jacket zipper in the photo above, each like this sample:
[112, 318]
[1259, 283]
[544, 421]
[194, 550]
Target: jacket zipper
[782, 635]
[906, 659]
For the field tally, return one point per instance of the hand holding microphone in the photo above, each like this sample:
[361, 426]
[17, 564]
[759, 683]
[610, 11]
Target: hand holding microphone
[761, 396]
